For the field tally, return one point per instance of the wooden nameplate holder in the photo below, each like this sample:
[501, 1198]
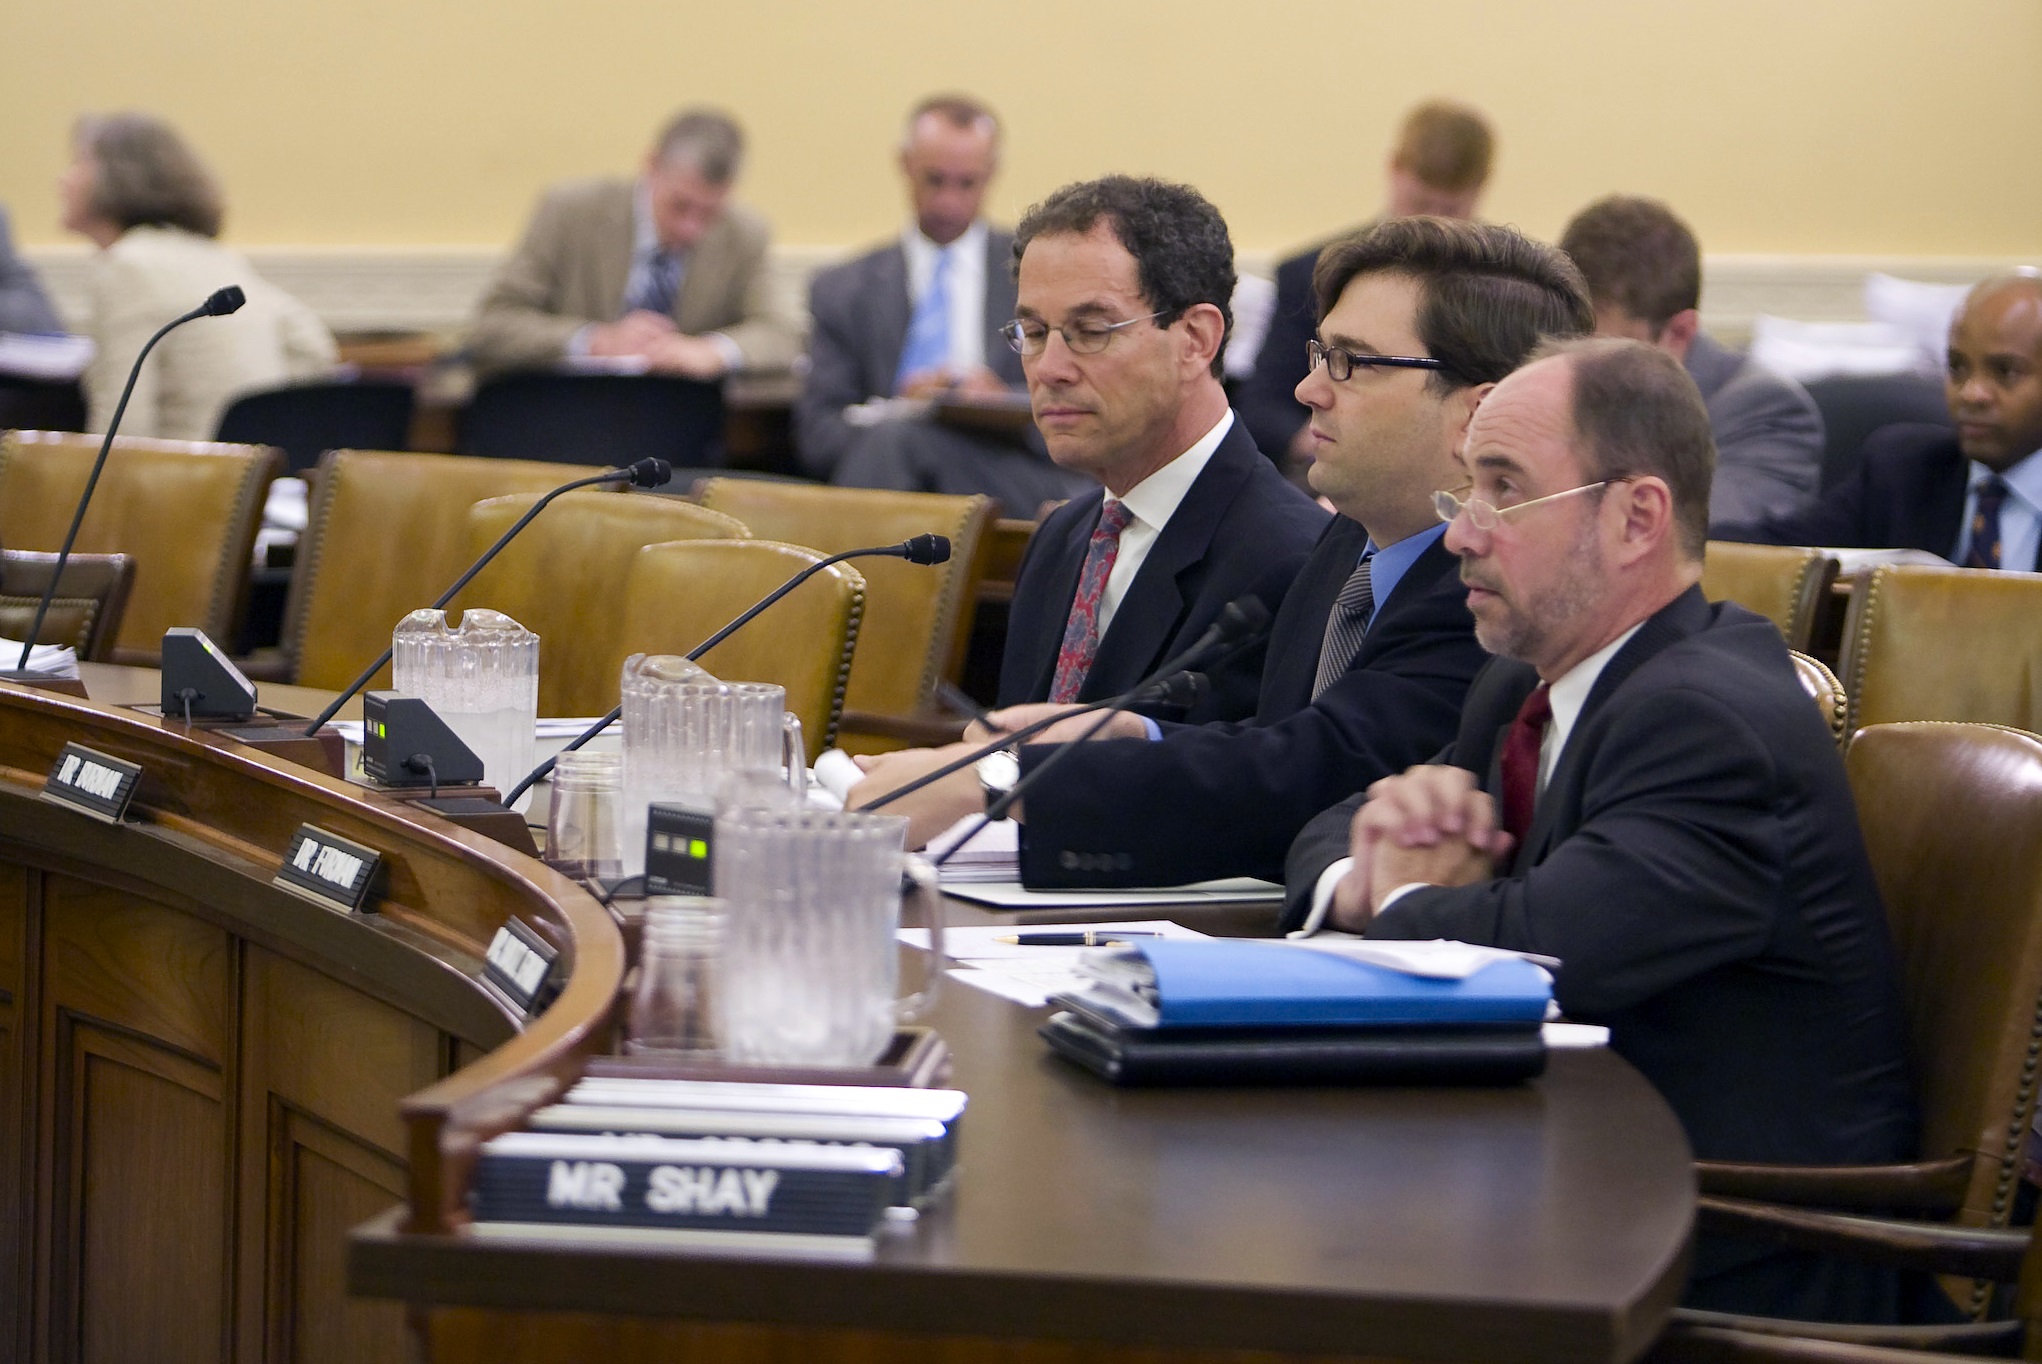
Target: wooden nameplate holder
[916, 1059]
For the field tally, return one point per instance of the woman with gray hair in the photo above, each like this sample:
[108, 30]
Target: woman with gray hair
[138, 193]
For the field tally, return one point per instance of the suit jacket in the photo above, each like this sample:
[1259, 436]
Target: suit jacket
[1240, 529]
[150, 275]
[24, 307]
[1695, 863]
[1768, 434]
[1227, 799]
[1907, 492]
[1268, 400]
[858, 323]
[575, 259]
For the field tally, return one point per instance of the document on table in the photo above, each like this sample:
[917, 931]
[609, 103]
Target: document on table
[1012, 895]
[1026, 975]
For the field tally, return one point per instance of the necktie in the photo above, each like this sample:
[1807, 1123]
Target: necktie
[928, 340]
[1081, 631]
[1521, 761]
[1990, 496]
[1346, 625]
[654, 284]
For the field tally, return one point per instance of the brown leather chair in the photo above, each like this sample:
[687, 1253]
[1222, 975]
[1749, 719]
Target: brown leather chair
[680, 593]
[1952, 815]
[1785, 585]
[1827, 693]
[86, 611]
[385, 534]
[918, 619]
[564, 579]
[1944, 644]
[185, 511]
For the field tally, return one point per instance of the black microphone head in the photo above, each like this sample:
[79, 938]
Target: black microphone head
[1182, 689]
[926, 549]
[1242, 617]
[224, 301]
[650, 473]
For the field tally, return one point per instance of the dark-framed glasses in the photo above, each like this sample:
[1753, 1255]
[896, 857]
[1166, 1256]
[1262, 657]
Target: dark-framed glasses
[1487, 515]
[1088, 337]
[1341, 363]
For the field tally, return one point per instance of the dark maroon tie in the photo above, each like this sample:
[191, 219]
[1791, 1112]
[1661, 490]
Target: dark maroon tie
[1081, 628]
[1521, 761]
[1991, 495]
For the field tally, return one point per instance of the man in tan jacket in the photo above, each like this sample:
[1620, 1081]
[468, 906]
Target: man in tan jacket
[662, 270]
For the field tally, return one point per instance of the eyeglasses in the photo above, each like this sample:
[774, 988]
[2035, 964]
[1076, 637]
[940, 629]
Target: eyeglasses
[1341, 363]
[1487, 515]
[1030, 337]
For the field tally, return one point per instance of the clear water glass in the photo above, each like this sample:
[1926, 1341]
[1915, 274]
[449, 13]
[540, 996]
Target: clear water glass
[676, 1010]
[584, 835]
[481, 677]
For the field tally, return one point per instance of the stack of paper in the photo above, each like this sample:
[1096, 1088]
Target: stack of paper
[57, 660]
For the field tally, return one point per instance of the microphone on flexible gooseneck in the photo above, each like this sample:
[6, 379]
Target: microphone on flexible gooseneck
[920, 549]
[646, 473]
[218, 304]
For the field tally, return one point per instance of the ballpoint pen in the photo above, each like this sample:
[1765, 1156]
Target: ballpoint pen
[1089, 938]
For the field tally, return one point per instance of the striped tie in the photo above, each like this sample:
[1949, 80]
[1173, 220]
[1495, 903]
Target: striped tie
[654, 284]
[1081, 631]
[1346, 626]
[1991, 496]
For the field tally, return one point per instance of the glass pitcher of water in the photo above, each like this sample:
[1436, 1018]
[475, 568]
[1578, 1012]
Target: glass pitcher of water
[481, 677]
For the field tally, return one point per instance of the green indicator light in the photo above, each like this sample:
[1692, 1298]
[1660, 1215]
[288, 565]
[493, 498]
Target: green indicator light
[698, 848]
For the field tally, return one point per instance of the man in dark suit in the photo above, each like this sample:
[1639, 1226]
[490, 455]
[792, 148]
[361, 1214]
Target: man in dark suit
[920, 318]
[1121, 321]
[1373, 648]
[1640, 788]
[1438, 169]
[1974, 497]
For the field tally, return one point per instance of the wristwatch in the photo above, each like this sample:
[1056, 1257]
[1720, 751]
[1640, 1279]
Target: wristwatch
[997, 773]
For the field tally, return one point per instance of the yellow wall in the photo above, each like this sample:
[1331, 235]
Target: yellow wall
[1798, 126]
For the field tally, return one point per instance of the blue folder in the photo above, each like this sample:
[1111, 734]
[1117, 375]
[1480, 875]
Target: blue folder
[1212, 983]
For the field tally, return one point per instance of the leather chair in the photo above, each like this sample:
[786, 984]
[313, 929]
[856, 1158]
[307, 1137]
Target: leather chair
[385, 533]
[918, 619]
[596, 419]
[86, 611]
[1785, 585]
[186, 512]
[1952, 815]
[564, 579]
[680, 593]
[1827, 693]
[306, 420]
[1926, 643]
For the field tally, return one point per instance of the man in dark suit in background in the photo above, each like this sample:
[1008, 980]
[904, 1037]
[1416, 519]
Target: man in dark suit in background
[1438, 169]
[1641, 789]
[1974, 497]
[1644, 270]
[1373, 648]
[920, 317]
[1121, 321]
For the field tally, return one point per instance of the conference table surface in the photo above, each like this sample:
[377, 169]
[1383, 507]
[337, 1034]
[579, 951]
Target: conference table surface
[1542, 1221]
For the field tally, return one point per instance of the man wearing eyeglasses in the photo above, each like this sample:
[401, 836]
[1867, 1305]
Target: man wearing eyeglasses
[1640, 788]
[1373, 649]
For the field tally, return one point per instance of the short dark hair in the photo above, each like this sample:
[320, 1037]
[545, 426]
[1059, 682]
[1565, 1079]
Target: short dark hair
[146, 175]
[1487, 295]
[1636, 255]
[1182, 253]
[1637, 411]
[1447, 146]
[707, 139]
[958, 110]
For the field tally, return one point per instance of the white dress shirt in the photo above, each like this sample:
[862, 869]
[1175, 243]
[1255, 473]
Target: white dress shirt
[1567, 696]
[1153, 501]
[967, 288]
[2020, 515]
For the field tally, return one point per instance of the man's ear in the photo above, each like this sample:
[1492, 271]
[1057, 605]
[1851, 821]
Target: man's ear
[1205, 328]
[1679, 333]
[1648, 514]
[1460, 413]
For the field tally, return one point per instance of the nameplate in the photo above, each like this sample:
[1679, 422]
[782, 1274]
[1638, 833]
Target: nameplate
[520, 964]
[92, 783]
[679, 850]
[328, 870]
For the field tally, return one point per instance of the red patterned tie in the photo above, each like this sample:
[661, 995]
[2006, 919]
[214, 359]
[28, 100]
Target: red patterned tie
[1081, 632]
[1521, 761]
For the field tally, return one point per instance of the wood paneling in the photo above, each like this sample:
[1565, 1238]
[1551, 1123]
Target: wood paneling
[15, 1150]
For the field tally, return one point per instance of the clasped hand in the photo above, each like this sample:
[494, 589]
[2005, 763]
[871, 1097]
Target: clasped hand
[1430, 825]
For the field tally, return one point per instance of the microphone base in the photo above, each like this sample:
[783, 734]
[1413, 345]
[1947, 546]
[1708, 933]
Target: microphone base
[69, 686]
[325, 751]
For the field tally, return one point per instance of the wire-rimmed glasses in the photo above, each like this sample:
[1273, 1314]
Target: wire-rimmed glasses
[1487, 515]
[1029, 336]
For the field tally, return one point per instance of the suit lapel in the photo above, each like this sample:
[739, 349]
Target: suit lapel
[609, 257]
[1293, 660]
[1000, 296]
[886, 321]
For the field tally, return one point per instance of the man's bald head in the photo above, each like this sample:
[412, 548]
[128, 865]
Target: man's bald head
[1993, 379]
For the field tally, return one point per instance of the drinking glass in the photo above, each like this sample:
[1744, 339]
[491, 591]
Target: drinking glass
[675, 1010]
[481, 677]
[583, 835]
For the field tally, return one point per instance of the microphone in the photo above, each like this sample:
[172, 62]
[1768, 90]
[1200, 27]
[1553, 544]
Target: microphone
[646, 473]
[1239, 624]
[921, 549]
[217, 304]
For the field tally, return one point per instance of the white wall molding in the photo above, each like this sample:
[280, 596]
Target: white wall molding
[435, 288]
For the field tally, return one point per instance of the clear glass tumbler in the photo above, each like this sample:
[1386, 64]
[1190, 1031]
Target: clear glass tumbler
[676, 1010]
[584, 836]
[481, 677]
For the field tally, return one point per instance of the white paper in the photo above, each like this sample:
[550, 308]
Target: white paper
[57, 660]
[1009, 895]
[1027, 975]
[1571, 1036]
[1435, 959]
[44, 355]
